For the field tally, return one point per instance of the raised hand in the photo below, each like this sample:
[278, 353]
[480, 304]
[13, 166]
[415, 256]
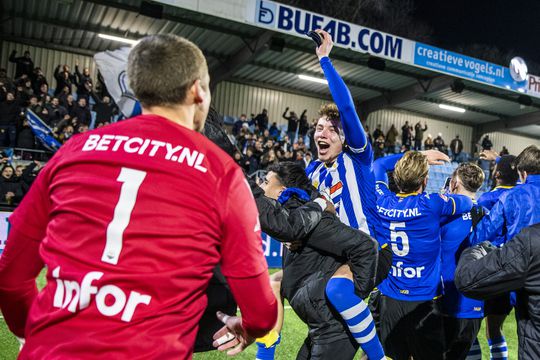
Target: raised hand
[435, 157]
[326, 46]
[490, 155]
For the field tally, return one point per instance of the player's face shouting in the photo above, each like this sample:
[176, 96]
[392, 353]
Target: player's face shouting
[328, 140]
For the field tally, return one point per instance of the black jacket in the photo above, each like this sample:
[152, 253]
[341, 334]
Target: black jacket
[484, 272]
[23, 65]
[306, 272]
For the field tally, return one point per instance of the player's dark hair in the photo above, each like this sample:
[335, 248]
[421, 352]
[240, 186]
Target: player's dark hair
[471, 176]
[529, 160]
[290, 174]
[161, 69]
[506, 172]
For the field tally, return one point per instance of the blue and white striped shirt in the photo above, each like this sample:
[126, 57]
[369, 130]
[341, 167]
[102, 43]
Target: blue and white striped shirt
[349, 181]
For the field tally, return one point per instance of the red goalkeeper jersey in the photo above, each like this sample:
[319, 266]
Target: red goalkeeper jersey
[130, 221]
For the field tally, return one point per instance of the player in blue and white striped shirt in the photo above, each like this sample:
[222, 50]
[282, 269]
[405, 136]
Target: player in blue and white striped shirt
[344, 173]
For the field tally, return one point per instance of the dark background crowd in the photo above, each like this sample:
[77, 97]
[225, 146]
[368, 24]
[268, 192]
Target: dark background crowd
[261, 143]
[76, 105]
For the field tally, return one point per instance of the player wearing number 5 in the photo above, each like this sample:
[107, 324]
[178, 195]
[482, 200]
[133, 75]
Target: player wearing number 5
[130, 221]
[409, 322]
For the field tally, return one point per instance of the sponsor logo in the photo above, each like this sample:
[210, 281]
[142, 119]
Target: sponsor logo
[109, 300]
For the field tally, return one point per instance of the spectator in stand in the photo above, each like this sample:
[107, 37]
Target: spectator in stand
[82, 112]
[274, 130]
[439, 143]
[25, 138]
[300, 145]
[504, 151]
[378, 146]
[406, 136]
[368, 134]
[66, 134]
[35, 105]
[10, 111]
[83, 82]
[38, 79]
[269, 158]
[303, 126]
[10, 187]
[6, 81]
[238, 124]
[23, 64]
[19, 171]
[43, 91]
[29, 175]
[486, 143]
[428, 144]
[261, 120]
[391, 137]
[308, 158]
[24, 90]
[311, 134]
[56, 113]
[69, 103]
[63, 78]
[292, 122]
[103, 108]
[82, 128]
[250, 163]
[378, 132]
[456, 147]
[419, 135]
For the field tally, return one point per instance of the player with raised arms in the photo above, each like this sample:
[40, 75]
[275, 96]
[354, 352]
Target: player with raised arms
[344, 172]
[130, 220]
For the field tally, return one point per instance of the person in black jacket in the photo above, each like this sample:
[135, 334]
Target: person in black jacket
[63, 78]
[292, 226]
[292, 123]
[82, 112]
[307, 271]
[10, 110]
[83, 81]
[10, 186]
[24, 64]
[484, 272]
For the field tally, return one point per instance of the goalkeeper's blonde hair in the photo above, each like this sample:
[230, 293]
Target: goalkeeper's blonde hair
[411, 171]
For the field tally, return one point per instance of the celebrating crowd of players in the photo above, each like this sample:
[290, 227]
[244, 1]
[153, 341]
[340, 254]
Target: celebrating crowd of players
[155, 206]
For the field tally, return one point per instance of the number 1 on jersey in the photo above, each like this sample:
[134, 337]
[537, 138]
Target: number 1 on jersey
[131, 182]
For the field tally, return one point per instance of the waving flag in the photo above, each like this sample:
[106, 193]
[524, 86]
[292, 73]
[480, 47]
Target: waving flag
[42, 131]
[112, 66]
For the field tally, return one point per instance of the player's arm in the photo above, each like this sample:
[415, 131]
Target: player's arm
[485, 271]
[491, 224]
[352, 127]
[380, 168]
[356, 248]
[21, 263]
[452, 204]
[242, 259]
[284, 225]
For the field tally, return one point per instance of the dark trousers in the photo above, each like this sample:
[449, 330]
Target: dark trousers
[8, 136]
[460, 335]
[409, 328]
[342, 349]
